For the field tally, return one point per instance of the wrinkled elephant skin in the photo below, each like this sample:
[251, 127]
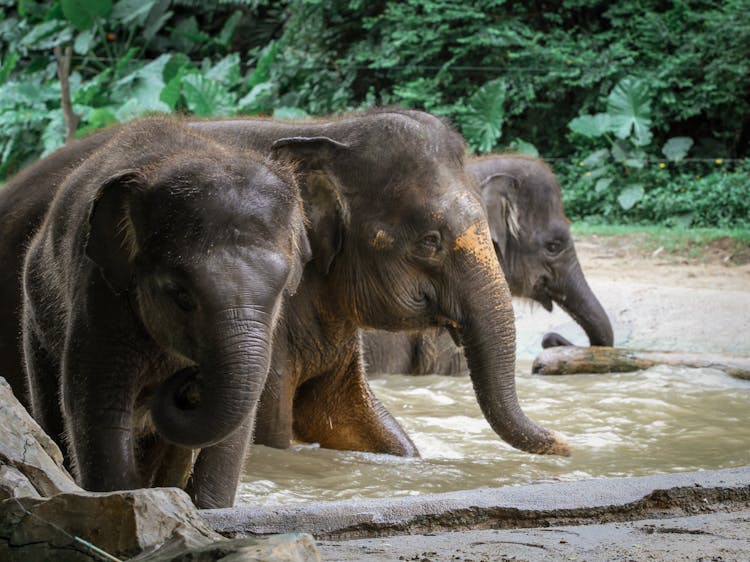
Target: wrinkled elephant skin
[535, 249]
[151, 292]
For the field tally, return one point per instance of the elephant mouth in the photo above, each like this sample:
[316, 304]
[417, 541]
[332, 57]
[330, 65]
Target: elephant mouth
[453, 328]
[541, 294]
[187, 395]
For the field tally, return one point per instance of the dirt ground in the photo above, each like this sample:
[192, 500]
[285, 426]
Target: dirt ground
[719, 265]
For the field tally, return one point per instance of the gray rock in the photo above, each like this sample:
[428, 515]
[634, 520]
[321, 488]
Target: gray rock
[292, 547]
[158, 524]
[44, 515]
[30, 462]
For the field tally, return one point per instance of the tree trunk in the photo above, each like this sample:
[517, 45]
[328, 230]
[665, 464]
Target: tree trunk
[571, 360]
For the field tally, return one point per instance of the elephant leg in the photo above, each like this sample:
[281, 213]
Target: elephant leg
[217, 469]
[340, 411]
[162, 464]
[273, 424]
[98, 393]
[44, 390]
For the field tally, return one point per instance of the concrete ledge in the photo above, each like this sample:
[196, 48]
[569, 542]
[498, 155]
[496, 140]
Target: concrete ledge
[538, 505]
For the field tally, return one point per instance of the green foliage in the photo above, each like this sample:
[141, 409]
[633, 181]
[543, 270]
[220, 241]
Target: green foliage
[621, 87]
[696, 194]
[482, 117]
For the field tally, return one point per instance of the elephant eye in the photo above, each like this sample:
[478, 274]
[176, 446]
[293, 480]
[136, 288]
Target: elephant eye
[554, 246]
[179, 295]
[429, 244]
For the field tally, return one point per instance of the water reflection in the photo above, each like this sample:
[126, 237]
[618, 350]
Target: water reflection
[665, 419]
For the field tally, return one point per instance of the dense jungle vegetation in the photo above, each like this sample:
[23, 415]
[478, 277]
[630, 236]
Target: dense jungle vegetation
[642, 107]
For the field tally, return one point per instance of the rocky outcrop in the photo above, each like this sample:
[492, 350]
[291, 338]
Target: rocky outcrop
[31, 464]
[44, 515]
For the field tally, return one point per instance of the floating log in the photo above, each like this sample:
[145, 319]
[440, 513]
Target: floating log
[570, 360]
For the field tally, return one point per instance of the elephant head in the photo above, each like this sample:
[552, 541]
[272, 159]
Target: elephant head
[204, 247]
[399, 233]
[533, 243]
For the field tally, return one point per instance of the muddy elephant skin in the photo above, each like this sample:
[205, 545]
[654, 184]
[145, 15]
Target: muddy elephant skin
[151, 293]
[533, 243]
[400, 241]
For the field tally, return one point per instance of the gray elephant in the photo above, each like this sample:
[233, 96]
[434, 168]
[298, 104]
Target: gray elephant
[533, 244]
[400, 241]
[151, 293]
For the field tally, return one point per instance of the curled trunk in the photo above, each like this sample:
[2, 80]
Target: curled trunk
[199, 407]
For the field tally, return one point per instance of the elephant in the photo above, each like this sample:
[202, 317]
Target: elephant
[151, 292]
[399, 240]
[533, 244]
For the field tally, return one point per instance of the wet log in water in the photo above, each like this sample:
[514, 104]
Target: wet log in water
[569, 360]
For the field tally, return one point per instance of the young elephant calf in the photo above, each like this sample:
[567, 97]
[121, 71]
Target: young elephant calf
[151, 291]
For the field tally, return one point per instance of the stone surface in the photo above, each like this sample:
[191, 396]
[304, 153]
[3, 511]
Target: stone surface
[44, 515]
[123, 524]
[30, 462]
[538, 505]
[718, 537]
[292, 547]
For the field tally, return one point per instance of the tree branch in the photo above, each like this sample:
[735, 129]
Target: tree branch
[63, 73]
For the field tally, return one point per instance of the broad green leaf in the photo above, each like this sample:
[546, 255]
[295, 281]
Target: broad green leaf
[83, 42]
[53, 136]
[596, 158]
[629, 108]
[602, 184]
[154, 25]
[83, 13]
[258, 99]
[591, 125]
[290, 113]
[677, 148]
[100, 117]
[10, 62]
[630, 196]
[597, 173]
[226, 71]
[172, 90]
[636, 159]
[262, 71]
[227, 32]
[482, 119]
[523, 147]
[206, 97]
[88, 92]
[132, 11]
[47, 35]
[177, 63]
[141, 90]
[620, 150]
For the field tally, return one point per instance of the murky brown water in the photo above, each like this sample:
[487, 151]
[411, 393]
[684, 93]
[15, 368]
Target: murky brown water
[664, 419]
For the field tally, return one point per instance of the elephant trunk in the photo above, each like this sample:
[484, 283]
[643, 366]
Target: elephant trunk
[578, 300]
[488, 334]
[200, 406]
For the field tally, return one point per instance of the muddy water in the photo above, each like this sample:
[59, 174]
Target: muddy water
[661, 420]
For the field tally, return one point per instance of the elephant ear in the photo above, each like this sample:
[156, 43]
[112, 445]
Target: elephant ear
[325, 207]
[112, 243]
[303, 255]
[500, 198]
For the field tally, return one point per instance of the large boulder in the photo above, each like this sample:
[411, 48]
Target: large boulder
[44, 515]
[31, 464]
